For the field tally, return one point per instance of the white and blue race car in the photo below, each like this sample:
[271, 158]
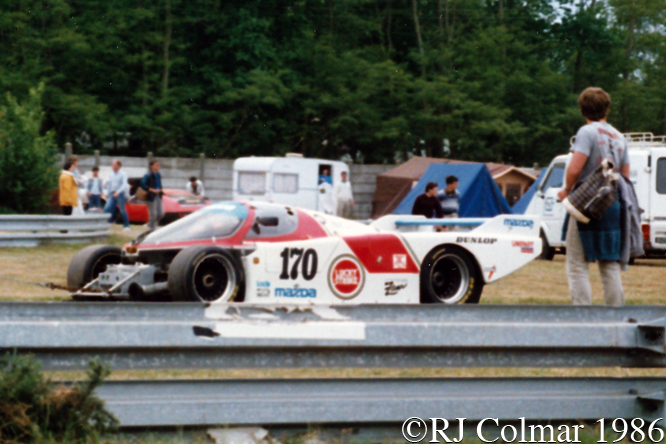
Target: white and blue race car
[270, 253]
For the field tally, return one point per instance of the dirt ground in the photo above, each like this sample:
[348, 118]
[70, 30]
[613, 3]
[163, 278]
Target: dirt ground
[540, 282]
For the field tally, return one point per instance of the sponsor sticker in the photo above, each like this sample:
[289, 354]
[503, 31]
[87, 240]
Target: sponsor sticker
[525, 246]
[519, 223]
[263, 292]
[295, 293]
[400, 261]
[475, 240]
[490, 271]
[393, 287]
[263, 284]
[346, 277]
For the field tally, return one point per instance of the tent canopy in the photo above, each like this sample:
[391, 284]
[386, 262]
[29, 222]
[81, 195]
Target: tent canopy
[521, 206]
[479, 194]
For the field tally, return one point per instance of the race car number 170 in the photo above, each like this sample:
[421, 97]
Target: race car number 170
[307, 259]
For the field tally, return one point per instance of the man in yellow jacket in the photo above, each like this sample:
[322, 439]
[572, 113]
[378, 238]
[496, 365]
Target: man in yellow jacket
[69, 197]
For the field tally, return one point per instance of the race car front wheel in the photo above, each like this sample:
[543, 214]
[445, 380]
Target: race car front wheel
[450, 275]
[206, 274]
[88, 263]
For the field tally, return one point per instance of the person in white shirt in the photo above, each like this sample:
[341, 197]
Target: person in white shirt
[344, 197]
[195, 187]
[118, 189]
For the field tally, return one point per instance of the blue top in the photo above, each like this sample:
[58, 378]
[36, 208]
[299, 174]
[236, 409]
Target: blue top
[151, 180]
[450, 202]
[325, 178]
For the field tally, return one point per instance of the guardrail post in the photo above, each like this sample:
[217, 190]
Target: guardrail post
[202, 166]
[68, 150]
[149, 156]
[97, 158]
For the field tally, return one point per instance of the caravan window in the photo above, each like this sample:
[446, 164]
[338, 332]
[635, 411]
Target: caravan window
[250, 182]
[285, 183]
[661, 175]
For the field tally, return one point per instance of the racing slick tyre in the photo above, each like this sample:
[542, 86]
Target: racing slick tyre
[547, 252]
[450, 275]
[88, 263]
[206, 274]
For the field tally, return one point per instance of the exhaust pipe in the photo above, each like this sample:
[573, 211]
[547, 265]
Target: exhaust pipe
[140, 292]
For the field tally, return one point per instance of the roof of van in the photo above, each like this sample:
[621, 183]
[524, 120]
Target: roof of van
[265, 163]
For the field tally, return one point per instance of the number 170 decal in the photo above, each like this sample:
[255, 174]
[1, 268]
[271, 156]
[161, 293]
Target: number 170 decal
[298, 256]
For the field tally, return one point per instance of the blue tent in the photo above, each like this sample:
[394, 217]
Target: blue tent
[520, 206]
[479, 194]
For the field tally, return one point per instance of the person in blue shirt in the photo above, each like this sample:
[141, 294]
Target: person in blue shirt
[94, 190]
[325, 177]
[449, 197]
[152, 183]
[118, 189]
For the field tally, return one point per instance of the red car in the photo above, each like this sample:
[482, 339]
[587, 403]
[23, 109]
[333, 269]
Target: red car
[176, 203]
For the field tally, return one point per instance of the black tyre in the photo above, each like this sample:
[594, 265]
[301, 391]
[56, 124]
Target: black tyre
[450, 275]
[547, 252]
[88, 263]
[206, 274]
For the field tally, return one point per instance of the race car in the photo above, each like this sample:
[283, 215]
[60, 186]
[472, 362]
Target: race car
[271, 253]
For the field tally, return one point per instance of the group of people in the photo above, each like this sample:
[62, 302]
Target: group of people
[341, 199]
[116, 191]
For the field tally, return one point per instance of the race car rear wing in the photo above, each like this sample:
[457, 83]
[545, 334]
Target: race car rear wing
[505, 223]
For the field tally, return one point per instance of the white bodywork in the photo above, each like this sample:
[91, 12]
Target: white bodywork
[500, 246]
[286, 180]
[647, 160]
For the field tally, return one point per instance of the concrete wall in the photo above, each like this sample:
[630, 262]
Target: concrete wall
[216, 175]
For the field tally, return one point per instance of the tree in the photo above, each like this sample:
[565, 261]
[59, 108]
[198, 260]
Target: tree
[28, 176]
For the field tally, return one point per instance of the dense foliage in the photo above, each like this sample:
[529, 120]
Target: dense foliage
[27, 172]
[472, 79]
[35, 410]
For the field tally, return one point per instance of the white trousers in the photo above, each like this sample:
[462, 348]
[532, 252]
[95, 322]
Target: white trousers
[578, 273]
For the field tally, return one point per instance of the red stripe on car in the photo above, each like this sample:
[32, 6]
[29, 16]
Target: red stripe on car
[382, 253]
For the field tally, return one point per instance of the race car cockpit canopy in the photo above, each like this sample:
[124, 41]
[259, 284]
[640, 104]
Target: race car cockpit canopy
[215, 221]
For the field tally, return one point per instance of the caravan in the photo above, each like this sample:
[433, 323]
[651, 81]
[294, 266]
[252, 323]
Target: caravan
[291, 180]
[647, 159]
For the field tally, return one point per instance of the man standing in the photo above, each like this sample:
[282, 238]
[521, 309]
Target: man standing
[344, 197]
[195, 187]
[152, 183]
[68, 189]
[427, 203]
[599, 240]
[94, 189]
[449, 197]
[118, 189]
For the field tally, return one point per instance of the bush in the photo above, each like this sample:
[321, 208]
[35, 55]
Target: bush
[34, 410]
[28, 176]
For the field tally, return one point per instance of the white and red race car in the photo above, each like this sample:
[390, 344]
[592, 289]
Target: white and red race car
[271, 253]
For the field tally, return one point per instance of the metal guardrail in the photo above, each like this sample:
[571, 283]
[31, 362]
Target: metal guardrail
[141, 336]
[362, 401]
[30, 230]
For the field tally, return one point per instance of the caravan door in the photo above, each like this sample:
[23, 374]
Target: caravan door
[657, 202]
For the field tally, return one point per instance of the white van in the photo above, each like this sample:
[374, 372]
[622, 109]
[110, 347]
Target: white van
[647, 160]
[292, 180]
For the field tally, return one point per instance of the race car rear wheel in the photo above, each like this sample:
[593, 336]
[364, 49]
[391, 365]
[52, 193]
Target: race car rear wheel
[88, 263]
[450, 275]
[206, 274]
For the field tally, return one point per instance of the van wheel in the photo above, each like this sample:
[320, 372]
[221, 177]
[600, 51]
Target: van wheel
[88, 263]
[206, 274]
[547, 252]
[450, 275]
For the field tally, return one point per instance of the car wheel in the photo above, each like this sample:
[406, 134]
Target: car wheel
[450, 275]
[88, 263]
[547, 252]
[206, 274]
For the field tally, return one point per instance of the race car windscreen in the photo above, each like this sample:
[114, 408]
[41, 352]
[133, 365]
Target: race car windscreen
[217, 222]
